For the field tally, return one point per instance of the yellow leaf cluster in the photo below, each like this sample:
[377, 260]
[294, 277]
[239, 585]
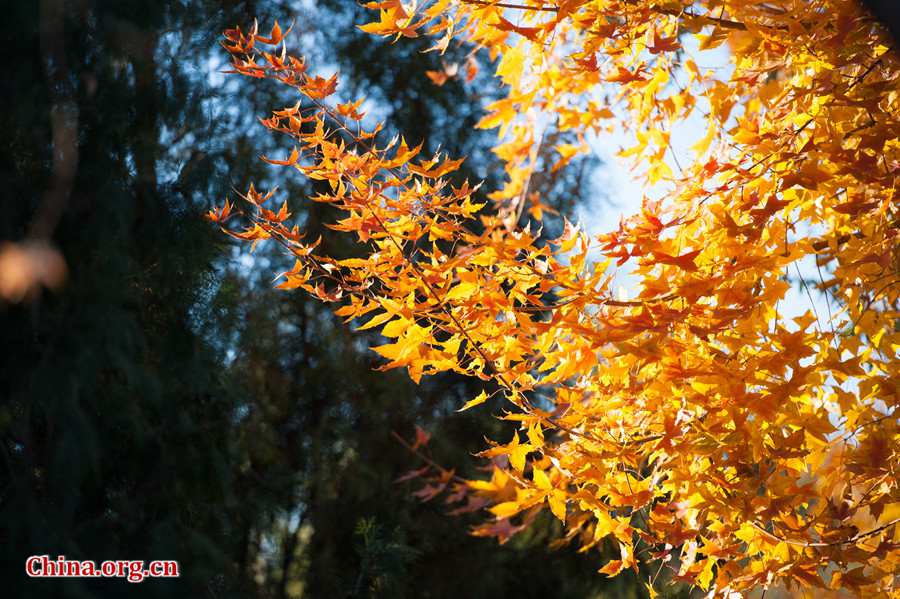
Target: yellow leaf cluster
[696, 417]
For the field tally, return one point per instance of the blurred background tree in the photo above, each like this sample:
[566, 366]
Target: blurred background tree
[124, 434]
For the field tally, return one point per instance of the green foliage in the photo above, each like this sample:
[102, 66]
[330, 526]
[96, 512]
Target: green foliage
[384, 561]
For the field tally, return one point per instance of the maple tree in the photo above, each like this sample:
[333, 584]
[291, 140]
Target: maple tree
[694, 423]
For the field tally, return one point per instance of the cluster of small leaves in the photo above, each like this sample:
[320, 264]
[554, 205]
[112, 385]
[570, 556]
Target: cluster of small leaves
[693, 423]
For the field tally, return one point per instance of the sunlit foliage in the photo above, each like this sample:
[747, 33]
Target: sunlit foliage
[692, 423]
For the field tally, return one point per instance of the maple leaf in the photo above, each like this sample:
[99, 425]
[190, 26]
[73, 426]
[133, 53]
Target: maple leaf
[422, 438]
[320, 88]
[275, 36]
[480, 399]
[441, 77]
[663, 44]
[290, 161]
[623, 75]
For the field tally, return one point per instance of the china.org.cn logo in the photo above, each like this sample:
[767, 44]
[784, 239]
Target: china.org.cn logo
[41, 566]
